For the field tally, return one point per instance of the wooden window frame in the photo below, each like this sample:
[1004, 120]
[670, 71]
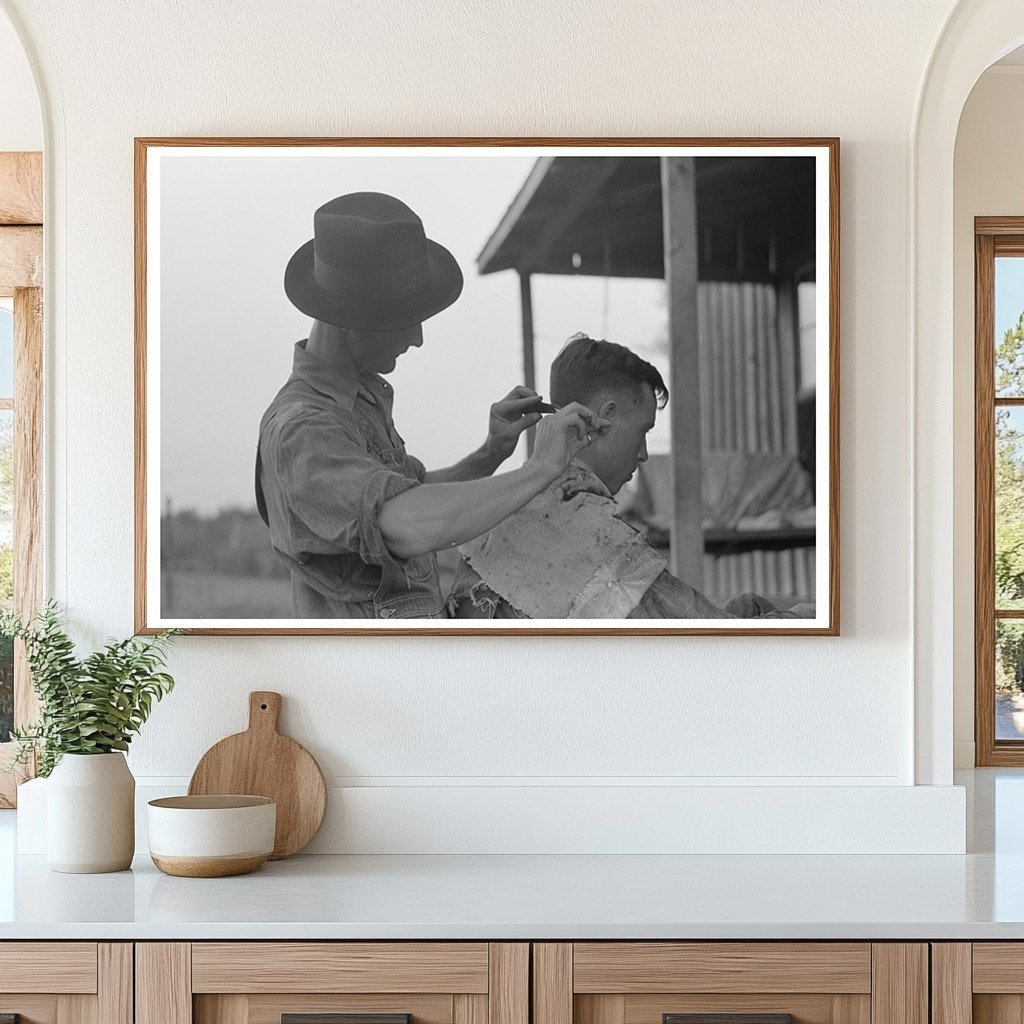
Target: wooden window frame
[993, 237]
[21, 278]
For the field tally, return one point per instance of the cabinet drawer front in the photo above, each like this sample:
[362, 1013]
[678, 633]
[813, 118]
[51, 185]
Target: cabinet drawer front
[339, 967]
[57, 967]
[635, 967]
[998, 967]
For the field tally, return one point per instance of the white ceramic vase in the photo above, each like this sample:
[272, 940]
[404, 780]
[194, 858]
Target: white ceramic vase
[90, 814]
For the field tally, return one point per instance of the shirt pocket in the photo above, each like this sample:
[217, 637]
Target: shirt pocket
[421, 568]
[382, 450]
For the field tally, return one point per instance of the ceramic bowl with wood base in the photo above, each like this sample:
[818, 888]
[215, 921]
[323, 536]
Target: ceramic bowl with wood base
[211, 836]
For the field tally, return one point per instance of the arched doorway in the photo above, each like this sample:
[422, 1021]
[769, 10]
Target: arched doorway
[989, 715]
[977, 33]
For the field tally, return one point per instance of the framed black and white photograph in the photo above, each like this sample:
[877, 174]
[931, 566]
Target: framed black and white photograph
[487, 386]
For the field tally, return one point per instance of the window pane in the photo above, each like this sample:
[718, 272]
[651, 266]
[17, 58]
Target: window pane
[1009, 679]
[1009, 532]
[1009, 327]
[6, 351]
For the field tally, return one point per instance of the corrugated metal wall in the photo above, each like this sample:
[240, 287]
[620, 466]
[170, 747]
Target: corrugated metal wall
[748, 404]
[788, 573]
[748, 399]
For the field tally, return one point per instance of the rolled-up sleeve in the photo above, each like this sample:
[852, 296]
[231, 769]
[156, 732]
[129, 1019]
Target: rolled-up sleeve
[330, 487]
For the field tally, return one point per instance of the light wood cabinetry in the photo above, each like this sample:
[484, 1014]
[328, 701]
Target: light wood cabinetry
[511, 983]
[261, 982]
[978, 983]
[677, 983]
[66, 982]
[951, 982]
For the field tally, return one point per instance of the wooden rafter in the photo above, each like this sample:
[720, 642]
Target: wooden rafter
[21, 188]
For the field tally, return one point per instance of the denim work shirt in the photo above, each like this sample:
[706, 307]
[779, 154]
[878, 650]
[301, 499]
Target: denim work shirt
[328, 458]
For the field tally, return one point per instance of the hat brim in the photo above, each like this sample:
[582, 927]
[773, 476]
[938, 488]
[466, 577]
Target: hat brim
[443, 287]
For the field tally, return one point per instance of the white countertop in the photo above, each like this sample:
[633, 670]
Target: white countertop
[976, 896]
[535, 897]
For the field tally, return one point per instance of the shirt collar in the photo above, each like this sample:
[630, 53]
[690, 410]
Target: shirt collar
[580, 477]
[325, 379]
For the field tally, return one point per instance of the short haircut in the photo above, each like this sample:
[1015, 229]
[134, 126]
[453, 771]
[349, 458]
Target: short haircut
[586, 367]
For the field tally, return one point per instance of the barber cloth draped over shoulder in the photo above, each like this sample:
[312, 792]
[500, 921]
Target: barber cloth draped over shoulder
[567, 555]
[328, 458]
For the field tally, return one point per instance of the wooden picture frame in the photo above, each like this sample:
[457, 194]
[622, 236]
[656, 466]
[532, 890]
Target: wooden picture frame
[762, 215]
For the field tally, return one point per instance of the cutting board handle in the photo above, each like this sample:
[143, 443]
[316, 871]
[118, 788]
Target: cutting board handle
[264, 710]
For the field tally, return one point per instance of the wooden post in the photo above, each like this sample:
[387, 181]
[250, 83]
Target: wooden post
[679, 213]
[529, 361]
[28, 490]
[21, 277]
[789, 338]
[28, 552]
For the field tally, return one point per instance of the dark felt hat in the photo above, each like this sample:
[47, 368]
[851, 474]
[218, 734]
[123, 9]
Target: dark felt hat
[370, 266]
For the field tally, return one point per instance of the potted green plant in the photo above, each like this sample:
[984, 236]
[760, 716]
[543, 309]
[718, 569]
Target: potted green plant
[90, 707]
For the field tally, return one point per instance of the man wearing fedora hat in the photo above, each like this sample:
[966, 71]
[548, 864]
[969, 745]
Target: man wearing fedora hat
[356, 518]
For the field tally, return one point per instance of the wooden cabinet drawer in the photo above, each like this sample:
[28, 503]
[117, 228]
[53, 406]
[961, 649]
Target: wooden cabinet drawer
[260, 982]
[997, 968]
[721, 967]
[490, 983]
[59, 982]
[69, 967]
[340, 967]
[650, 982]
[981, 982]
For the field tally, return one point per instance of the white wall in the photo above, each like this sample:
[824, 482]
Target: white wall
[20, 124]
[988, 182]
[451, 712]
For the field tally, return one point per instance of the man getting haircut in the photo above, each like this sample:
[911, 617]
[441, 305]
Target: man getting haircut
[566, 553]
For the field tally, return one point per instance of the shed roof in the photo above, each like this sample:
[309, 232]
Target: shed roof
[602, 215]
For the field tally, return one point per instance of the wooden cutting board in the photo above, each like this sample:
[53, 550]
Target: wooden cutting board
[262, 762]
